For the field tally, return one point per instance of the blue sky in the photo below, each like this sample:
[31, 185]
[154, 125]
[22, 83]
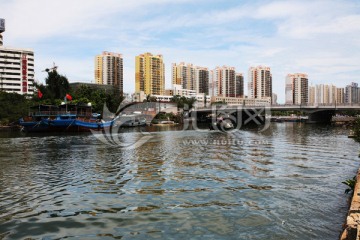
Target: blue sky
[320, 38]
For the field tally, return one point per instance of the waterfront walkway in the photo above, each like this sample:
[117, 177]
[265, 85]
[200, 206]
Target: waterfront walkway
[352, 225]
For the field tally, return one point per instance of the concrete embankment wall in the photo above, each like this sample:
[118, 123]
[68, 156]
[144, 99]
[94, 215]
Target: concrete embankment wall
[352, 225]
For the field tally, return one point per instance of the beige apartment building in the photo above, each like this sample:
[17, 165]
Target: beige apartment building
[150, 74]
[109, 70]
[296, 88]
[260, 82]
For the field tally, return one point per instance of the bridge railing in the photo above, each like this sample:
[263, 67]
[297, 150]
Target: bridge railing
[286, 106]
[318, 105]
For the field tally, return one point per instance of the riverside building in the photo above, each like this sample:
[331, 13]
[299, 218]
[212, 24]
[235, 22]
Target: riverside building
[260, 82]
[150, 74]
[16, 68]
[109, 70]
[239, 81]
[297, 88]
[324, 94]
[352, 93]
[223, 82]
[191, 77]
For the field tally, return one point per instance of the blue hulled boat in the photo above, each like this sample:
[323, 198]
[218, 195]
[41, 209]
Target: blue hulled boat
[63, 118]
[90, 125]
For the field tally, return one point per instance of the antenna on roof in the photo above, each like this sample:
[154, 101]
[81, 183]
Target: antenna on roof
[54, 68]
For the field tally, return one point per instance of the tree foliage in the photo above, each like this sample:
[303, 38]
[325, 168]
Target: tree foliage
[356, 129]
[56, 87]
[12, 107]
[183, 102]
[351, 185]
[219, 103]
[97, 97]
[150, 98]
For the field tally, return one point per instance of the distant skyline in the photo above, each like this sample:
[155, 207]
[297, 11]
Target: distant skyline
[319, 38]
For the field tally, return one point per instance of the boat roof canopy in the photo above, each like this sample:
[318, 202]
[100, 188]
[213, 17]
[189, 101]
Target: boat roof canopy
[70, 107]
[45, 107]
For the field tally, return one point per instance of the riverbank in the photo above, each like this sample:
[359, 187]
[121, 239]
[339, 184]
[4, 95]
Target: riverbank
[9, 128]
[352, 225]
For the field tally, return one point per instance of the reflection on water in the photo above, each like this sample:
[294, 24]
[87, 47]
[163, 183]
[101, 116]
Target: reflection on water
[284, 183]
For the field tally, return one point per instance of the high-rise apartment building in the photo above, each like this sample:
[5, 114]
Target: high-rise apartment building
[184, 75]
[109, 70]
[16, 68]
[325, 94]
[223, 82]
[352, 93]
[202, 80]
[239, 84]
[191, 77]
[340, 95]
[260, 82]
[332, 94]
[321, 94]
[296, 88]
[150, 74]
[312, 91]
[289, 97]
[2, 29]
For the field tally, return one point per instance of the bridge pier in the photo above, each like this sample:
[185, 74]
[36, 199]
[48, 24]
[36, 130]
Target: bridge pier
[323, 116]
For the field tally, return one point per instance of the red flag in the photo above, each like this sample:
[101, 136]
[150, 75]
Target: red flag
[39, 94]
[68, 97]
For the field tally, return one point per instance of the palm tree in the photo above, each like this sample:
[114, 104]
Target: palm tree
[150, 98]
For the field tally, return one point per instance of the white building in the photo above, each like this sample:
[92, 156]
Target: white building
[176, 91]
[179, 90]
[325, 94]
[191, 77]
[296, 88]
[352, 93]
[266, 101]
[17, 70]
[223, 81]
[260, 82]
[289, 89]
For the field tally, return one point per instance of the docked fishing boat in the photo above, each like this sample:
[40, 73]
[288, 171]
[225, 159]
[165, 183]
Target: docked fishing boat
[131, 120]
[63, 118]
[87, 125]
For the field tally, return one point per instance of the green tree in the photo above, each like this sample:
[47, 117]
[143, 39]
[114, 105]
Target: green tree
[182, 101]
[356, 129]
[56, 87]
[97, 98]
[150, 98]
[219, 103]
[12, 107]
[113, 100]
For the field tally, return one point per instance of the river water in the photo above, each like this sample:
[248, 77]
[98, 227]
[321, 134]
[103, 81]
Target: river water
[284, 183]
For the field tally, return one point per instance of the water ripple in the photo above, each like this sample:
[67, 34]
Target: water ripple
[179, 185]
